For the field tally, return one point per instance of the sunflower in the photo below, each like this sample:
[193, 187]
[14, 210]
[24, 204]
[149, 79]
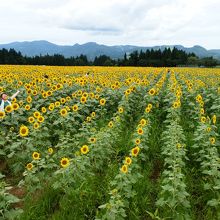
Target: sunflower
[65, 162]
[178, 145]
[88, 119]
[24, 131]
[175, 104]
[91, 95]
[85, 94]
[15, 106]
[50, 150]
[29, 166]
[96, 96]
[128, 92]
[203, 119]
[92, 140]
[36, 125]
[214, 119]
[135, 151]
[143, 122]
[83, 100]
[93, 114]
[75, 108]
[202, 111]
[40, 119]
[152, 91]
[59, 86]
[63, 112]
[137, 141]
[67, 108]
[110, 124]
[124, 169]
[79, 92]
[102, 101]
[34, 92]
[8, 108]
[128, 160]
[57, 103]
[31, 119]
[36, 155]
[84, 149]
[140, 131]
[29, 99]
[2, 115]
[208, 129]
[68, 98]
[74, 95]
[149, 106]
[51, 107]
[212, 140]
[201, 103]
[36, 114]
[147, 110]
[120, 110]
[21, 102]
[62, 100]
[27, 107]
[198, 98]
[44, 95]
[43, 110]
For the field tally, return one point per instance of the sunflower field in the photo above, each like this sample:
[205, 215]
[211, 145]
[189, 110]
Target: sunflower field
[110, 143]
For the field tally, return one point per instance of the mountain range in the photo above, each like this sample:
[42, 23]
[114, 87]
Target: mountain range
[92, 49]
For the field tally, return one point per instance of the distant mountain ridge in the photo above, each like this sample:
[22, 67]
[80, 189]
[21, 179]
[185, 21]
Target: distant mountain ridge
[92, 49]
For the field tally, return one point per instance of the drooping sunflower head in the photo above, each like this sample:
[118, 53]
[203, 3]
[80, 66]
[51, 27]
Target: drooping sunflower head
[212, 140]
[50, 150]
[214, 118]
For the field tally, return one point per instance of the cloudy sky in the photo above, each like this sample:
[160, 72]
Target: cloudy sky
[112, 22]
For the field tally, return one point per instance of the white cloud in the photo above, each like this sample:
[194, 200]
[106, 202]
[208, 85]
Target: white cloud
[140, 22]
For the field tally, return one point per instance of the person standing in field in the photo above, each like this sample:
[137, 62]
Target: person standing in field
[5, 101]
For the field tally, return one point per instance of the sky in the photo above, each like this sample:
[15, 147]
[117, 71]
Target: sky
[112, 22]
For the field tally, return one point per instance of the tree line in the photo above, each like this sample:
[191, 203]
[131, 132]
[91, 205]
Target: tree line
[155, 58]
